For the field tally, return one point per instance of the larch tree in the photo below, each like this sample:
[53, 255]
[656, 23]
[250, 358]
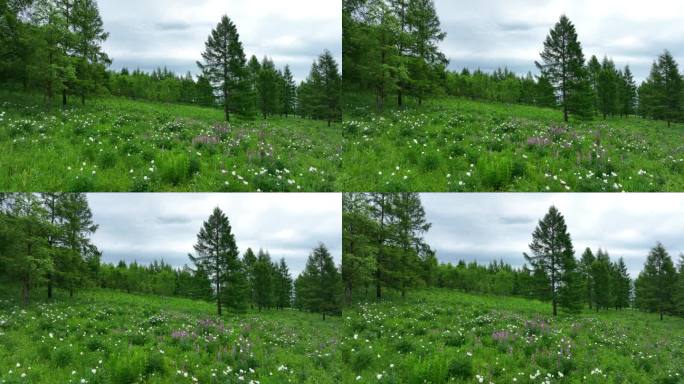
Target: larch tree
[283, 290]
[601, 276]
[656, 282]
[563, 64]
[263, 280]
[410, 226]
[319, 286]
[554, 255]
[225, 65]
[88, 36]
[585, 265]
[289, 100]
[607, 88]
[217, 252]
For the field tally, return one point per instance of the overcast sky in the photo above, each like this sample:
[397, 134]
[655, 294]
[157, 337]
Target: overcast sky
[146, 227]
[487, 227]
[493, 33]
[152, 33]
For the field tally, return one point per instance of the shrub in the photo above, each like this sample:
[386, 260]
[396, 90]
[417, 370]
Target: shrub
[460, 367]
[62, 357]
[127, 369]
[496, 171]
[155, 363]
[361, 359]
[107, 159]
[430, 162]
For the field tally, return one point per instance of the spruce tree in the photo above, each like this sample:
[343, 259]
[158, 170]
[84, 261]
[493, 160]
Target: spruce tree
[284, 286]
[623, 285]
[563, 64]
[225, 67]
[656, 282]
[607, 88]
[585, 269]
[263, 280]
[410, 225]
[601, 275]
[289, 101]
[628, 93]
[217, 252]
[553, 254]
[89, 34]
[267, 86]
[331, 83]
[319, 286]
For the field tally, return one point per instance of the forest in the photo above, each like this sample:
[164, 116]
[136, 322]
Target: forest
[426, 126]
[55, 48]
[46, 246]
[384, 249]
[239, 125]
[391, 49]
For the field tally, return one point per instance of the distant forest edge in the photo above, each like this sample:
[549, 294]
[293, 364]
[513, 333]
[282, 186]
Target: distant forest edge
[45, 244]
[384, 250]
[55, 47]
[391, 49]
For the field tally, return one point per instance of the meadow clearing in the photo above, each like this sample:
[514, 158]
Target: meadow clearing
[121, 145]
[104, 336]
[439, 336]
[460, 145]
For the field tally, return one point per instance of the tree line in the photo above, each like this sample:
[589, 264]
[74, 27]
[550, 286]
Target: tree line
[257, 280]
[45, 244]
[55, 47]
[391, 47]
[383, 248]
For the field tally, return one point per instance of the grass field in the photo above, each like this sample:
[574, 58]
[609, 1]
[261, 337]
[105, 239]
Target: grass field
[439, 336]
[458, 145]
[113, 337]
[117, 145]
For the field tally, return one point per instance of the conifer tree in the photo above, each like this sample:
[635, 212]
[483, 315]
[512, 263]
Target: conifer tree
[225, 67]
[217, 253]
[283, 290]
[607, 88]
[553, 254]
[623, 285]
[585, 269]
[656, 282]
[249, 260]
[319, 286]
[409, 227]
[289, 100]
[601, 276]
[89, 34]
[267, 86]
[331, 82]
[628, 93]
[563, 64]
[263, 280]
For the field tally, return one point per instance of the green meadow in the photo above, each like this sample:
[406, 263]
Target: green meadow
[103, 336]
[459, 145]
[120, 145]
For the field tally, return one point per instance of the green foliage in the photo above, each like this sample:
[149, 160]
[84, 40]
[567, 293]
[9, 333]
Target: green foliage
[142, 156]
[533, 145]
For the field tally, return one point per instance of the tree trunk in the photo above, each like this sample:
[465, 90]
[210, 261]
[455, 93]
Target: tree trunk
[64, 97]
[71, 292]
[400, 98]
[83, 97]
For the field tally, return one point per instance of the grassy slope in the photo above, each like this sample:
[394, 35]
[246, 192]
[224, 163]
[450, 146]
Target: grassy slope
[121, 140]
[126, 337]
[452, 144]
[440, 335]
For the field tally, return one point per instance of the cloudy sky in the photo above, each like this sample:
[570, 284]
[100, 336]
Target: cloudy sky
[147, 227]
[486, 227]
[151, 33]
[493, 33]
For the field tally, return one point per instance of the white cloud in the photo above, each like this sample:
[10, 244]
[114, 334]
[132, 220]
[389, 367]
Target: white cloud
[145, 227]
[487, 227]
[155, 33]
